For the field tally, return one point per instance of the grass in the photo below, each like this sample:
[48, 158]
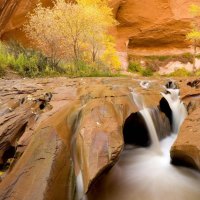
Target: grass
[31, 63]
[136, 67]
[155, 62]
[82, 69]
[182, 72]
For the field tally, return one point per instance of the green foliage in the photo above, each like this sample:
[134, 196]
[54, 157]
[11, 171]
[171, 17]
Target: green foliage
[3, 59]
[197, 73]
[134, 67]
[31, 63]
[181, 72]
[82, 69]
[147, 72]
[160, 58]
[26, 66]
[26, 62]
[2, 71]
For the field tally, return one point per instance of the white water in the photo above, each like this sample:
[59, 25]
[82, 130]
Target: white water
[151, 129]
[80, 194]
[178, 109]
[143, 174]
[137, 99]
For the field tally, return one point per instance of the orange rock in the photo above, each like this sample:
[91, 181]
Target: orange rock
[150, 25]
[43, 171]
[99, 138]
[186, 149]
[86, 112]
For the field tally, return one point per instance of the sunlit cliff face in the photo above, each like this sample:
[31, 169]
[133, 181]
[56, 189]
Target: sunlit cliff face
[145, 24]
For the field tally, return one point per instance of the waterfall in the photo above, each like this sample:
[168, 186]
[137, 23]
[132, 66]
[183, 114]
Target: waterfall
[137, 99]
[152, 131]
[179, 111]
[142, 173]
[80, 195]
[144, 111]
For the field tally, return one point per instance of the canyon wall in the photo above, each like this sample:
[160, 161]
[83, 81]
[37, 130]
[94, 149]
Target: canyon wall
[144, 26]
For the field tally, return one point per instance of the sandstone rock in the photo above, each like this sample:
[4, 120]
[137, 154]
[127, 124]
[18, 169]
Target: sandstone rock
[98, 135]
[143, 25]
[87, 116]
[186, 149]
[13, 126]
[43, 172]
[195, 83]
[152, 24]
[13, 15]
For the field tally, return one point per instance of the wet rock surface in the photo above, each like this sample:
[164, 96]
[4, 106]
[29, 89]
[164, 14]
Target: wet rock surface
[48, 140]
[186, 149]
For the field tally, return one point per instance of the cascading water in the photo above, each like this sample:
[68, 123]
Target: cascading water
[152, 131]
[144, 174]
[178, 109]
[138, 100]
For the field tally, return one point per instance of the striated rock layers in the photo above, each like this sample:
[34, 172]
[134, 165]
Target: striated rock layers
[45, 146]
[150, 25]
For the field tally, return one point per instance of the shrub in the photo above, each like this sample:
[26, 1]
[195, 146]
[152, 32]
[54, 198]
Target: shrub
[134, 67]
[2, 71]
[147, 72]
[31, 63]
[197, 73]
[82, 69]
[181, 72]
[157, 58]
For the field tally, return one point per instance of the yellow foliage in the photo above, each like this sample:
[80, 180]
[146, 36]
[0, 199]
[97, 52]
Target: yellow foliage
[194, 34]
[194, 10]
[110, 56]
[72, 31]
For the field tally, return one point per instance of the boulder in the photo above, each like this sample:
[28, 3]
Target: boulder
[186, 149]
[98, 138]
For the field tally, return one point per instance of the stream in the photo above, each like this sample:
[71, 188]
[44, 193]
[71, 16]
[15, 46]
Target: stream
[146, 173]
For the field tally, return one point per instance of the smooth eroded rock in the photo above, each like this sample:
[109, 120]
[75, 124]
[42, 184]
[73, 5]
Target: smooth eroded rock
[186, 149]
[43, 171]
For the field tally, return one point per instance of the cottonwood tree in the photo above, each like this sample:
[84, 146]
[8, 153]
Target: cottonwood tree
[40, 30]
[194, 34]
[73, 31]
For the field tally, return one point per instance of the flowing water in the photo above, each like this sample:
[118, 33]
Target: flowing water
[145, 173]
[178, 109]
[152, 131]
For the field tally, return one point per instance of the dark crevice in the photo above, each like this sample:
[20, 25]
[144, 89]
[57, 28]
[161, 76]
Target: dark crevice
[8, 154]
[165, 108]
[135, 131]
